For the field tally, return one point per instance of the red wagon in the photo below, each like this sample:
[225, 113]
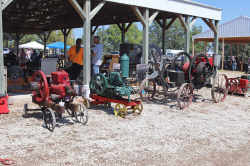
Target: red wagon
[122, 105]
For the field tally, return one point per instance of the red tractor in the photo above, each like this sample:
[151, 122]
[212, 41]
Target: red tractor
[54, 95]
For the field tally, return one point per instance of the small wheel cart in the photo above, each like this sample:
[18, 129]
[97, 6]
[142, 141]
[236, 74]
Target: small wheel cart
[54, 96]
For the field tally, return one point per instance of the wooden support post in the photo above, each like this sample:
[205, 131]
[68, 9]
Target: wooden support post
[193, 47]
[3, 89]
[65, 32]
[86, 15]
[44, 37]
[187, 25]
[86, 39]
[146, 37]
[223, 53]
[216, 37]
[146, 21]
[163, 35]
[124, 29]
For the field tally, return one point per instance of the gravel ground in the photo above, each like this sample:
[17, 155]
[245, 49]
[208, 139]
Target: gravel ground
[205, 134]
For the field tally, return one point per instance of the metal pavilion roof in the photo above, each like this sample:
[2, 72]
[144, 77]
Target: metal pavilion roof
[26, 16]
[236, 30]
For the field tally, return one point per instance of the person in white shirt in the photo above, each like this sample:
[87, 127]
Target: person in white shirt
[97, 53]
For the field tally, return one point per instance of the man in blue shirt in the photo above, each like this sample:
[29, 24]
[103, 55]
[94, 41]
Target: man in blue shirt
[97, 54]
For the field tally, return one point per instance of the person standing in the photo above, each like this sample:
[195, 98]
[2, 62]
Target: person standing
[234, 64]
[97, 54]
[76, 58]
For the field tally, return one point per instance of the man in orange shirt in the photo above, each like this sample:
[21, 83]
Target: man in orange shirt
[76, 57]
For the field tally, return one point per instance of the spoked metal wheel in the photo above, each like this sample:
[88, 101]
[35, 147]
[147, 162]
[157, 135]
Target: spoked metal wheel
[219, 89]
[49, 119]
[138, 109]
[120, 110]
[81, 114]
[147, 89]
[185, 95]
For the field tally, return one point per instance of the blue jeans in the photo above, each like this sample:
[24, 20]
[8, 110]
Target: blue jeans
[96, 69]
[234, 66]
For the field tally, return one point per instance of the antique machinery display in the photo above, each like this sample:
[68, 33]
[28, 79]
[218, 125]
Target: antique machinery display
[239, 85]
[113, 87]
[55, 95]
[184, 74]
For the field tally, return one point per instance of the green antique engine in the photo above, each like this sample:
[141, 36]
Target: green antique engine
[113, 84]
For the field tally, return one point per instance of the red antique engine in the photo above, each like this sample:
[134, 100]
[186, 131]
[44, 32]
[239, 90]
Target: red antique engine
[54, 95]
[239, 85]
[57, 88]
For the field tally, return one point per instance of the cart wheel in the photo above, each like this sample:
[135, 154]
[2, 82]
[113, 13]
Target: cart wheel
[49, 119]
[138, 109]
[120, 110]
[86, 103]
[185, 95]
[81, 114]
[220, 87]
[25, 109]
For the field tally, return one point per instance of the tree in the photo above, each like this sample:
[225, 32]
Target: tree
[175, 36]
[111, 37]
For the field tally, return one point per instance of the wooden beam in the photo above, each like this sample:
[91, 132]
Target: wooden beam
[183, 23]
[96, 9]
[160, 23]
[152, 18]
[119, 26]
[128, 26]
[93, 31]
[170, 23]
[139, 14]
[78, 9]
[6, 4]
[210, 25]
[192, 22]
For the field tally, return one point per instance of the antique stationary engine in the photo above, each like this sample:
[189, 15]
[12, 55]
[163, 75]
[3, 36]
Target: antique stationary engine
[113, 88]
[54, 95]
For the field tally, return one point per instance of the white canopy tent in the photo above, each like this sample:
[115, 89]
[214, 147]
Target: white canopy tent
[32, 45]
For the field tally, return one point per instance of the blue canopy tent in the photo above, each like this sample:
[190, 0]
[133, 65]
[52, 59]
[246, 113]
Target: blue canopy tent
[57, 45]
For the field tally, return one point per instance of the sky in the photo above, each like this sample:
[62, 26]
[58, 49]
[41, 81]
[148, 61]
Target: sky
[231, 9]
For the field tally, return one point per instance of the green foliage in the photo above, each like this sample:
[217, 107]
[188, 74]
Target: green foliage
[175, 36]
[111, 37]
[58, 36]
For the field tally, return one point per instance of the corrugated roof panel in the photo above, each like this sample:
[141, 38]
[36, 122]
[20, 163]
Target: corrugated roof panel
[238, 27]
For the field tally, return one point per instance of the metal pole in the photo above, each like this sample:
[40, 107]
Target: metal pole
[86, 39]
[163, 35]
[2, 81]
[146, 37]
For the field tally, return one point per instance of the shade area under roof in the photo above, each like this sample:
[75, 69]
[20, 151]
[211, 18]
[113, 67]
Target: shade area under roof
[234, 31]
[35, 16]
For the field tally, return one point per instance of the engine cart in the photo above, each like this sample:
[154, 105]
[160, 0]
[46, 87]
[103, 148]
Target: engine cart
[239, 85]
[55, 95]
[182, 76]
[113, 87]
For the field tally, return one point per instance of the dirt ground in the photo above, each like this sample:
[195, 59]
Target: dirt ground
[205, 134]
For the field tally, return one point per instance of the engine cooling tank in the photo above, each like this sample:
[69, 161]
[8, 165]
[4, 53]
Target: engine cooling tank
[124, 61]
